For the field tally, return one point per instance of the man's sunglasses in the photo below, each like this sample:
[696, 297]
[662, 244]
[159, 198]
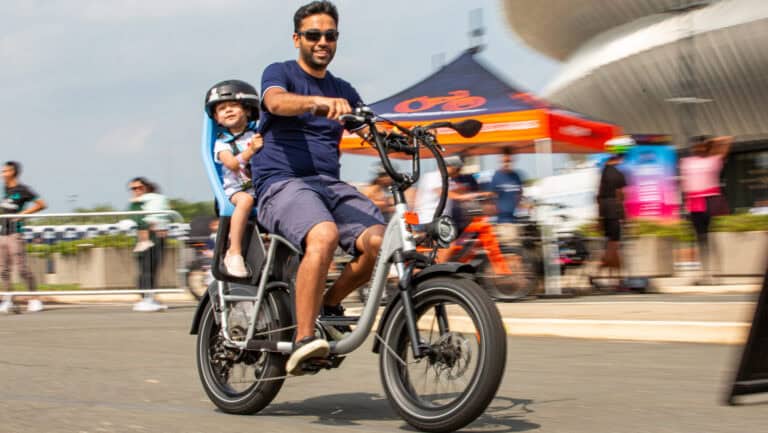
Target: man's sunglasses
[315, 35]
[136, 188]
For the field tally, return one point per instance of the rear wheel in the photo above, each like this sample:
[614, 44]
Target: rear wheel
[520, 282]
[239, 381]
[454, 384]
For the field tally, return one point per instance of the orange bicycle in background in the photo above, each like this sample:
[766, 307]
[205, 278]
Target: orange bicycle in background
[506, 272]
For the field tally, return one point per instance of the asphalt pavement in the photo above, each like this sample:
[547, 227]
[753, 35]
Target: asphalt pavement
[107, 369]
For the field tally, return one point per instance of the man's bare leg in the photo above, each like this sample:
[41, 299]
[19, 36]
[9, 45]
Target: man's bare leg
[358, 271]
[320, 243]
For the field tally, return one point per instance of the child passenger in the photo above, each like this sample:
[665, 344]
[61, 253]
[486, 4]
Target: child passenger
[234, 106]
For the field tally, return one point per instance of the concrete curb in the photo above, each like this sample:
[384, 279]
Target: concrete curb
[677, 331]
[107, 299]
[719, 289]
[632, 330]
[656, 325]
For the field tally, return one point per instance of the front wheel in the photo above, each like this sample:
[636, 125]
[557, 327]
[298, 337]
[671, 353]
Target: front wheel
[237, 381]
[454, 384]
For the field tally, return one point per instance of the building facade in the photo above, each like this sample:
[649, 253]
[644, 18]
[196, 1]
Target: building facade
[680, 67]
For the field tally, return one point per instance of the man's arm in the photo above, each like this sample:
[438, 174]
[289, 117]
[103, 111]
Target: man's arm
[37, 206]
[283, 103]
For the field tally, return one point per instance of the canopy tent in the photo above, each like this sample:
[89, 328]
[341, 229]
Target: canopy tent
[511, 118]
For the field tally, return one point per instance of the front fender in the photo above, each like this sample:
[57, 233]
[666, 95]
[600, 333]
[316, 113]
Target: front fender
[450, 268]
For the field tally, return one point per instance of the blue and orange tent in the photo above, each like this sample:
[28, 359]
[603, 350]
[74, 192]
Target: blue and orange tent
[511, 118]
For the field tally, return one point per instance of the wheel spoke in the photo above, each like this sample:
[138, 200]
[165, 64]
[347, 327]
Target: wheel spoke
[448, 370]
[239, 371]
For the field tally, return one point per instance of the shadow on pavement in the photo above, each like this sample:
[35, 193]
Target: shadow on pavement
[353, 409]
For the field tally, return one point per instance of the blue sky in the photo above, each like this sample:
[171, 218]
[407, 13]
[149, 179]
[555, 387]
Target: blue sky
[98, 91]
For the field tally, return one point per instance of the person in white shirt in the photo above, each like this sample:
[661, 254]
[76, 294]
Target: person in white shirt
[428, 196]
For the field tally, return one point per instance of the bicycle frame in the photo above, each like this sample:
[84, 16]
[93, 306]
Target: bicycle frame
[397, 238]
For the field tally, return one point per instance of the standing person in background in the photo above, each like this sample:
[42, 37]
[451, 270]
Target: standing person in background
[700, 182]
[12, 248]
[610, 203]
[461, 190]
[146, 197]
[508, 187]
[378, 191]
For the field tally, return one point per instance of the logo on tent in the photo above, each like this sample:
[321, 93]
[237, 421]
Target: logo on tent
[575, 131]
[456, 100]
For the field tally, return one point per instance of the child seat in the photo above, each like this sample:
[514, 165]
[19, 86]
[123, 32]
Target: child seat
[253, 246]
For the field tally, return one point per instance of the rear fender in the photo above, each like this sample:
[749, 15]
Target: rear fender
[462, 270]
[212, 295]
[199, 311]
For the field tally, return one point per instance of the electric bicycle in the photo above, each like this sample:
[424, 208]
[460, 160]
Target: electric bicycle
[440, 340]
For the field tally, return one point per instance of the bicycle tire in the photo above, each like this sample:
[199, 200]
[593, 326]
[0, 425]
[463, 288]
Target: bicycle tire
[277, 313]
[489, 336]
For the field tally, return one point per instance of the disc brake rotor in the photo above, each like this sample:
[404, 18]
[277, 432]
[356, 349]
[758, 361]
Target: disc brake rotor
[452, 355]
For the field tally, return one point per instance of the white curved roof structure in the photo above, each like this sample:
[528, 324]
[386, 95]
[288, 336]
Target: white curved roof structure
[630, 72]
[558, 27]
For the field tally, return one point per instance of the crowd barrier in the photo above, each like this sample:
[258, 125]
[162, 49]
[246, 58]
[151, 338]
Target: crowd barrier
[114, 268]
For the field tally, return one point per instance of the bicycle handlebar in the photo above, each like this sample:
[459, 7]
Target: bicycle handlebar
[399, 142]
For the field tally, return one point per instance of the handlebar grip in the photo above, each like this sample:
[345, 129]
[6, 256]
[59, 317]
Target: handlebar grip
[397, 147]
[351, 118]
[320, 110]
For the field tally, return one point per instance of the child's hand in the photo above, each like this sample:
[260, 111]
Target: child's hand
[256, 143]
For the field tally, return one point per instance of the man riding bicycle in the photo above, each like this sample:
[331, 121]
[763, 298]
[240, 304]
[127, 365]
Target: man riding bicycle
[296, 175]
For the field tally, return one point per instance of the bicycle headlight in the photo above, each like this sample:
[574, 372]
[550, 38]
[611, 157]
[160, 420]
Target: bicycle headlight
[444, 231]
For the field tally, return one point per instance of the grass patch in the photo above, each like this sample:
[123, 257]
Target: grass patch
[18, 287]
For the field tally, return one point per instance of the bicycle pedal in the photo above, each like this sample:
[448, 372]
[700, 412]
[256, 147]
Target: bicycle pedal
[325, 363]
[313, 365]
[336, 361]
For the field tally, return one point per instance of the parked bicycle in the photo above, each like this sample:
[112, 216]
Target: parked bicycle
[441, 341]
[507, 272]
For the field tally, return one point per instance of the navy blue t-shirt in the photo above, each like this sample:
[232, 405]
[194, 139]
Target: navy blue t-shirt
[508, 187]
[304, 145]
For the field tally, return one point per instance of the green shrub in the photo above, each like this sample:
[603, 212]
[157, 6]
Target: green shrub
[590, 230]
[677, 230]
[740, 223]
[682, 230]
[70, 248]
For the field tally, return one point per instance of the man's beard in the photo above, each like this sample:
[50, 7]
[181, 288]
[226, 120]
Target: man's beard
[318, 65]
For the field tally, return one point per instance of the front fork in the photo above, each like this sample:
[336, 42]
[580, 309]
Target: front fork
[419, 347]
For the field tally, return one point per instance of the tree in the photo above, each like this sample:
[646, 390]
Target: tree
[189, 210]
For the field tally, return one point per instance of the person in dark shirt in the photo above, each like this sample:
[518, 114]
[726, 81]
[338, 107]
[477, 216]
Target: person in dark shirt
[16, 197]
[610, 202]
[296, 176]
[508, 187]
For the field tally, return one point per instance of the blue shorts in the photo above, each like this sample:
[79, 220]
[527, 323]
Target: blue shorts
[290, 208]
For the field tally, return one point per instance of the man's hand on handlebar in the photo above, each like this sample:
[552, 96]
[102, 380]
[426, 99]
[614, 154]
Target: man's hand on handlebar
[330, 108]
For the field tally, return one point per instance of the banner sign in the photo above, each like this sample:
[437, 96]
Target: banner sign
[652, 191]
